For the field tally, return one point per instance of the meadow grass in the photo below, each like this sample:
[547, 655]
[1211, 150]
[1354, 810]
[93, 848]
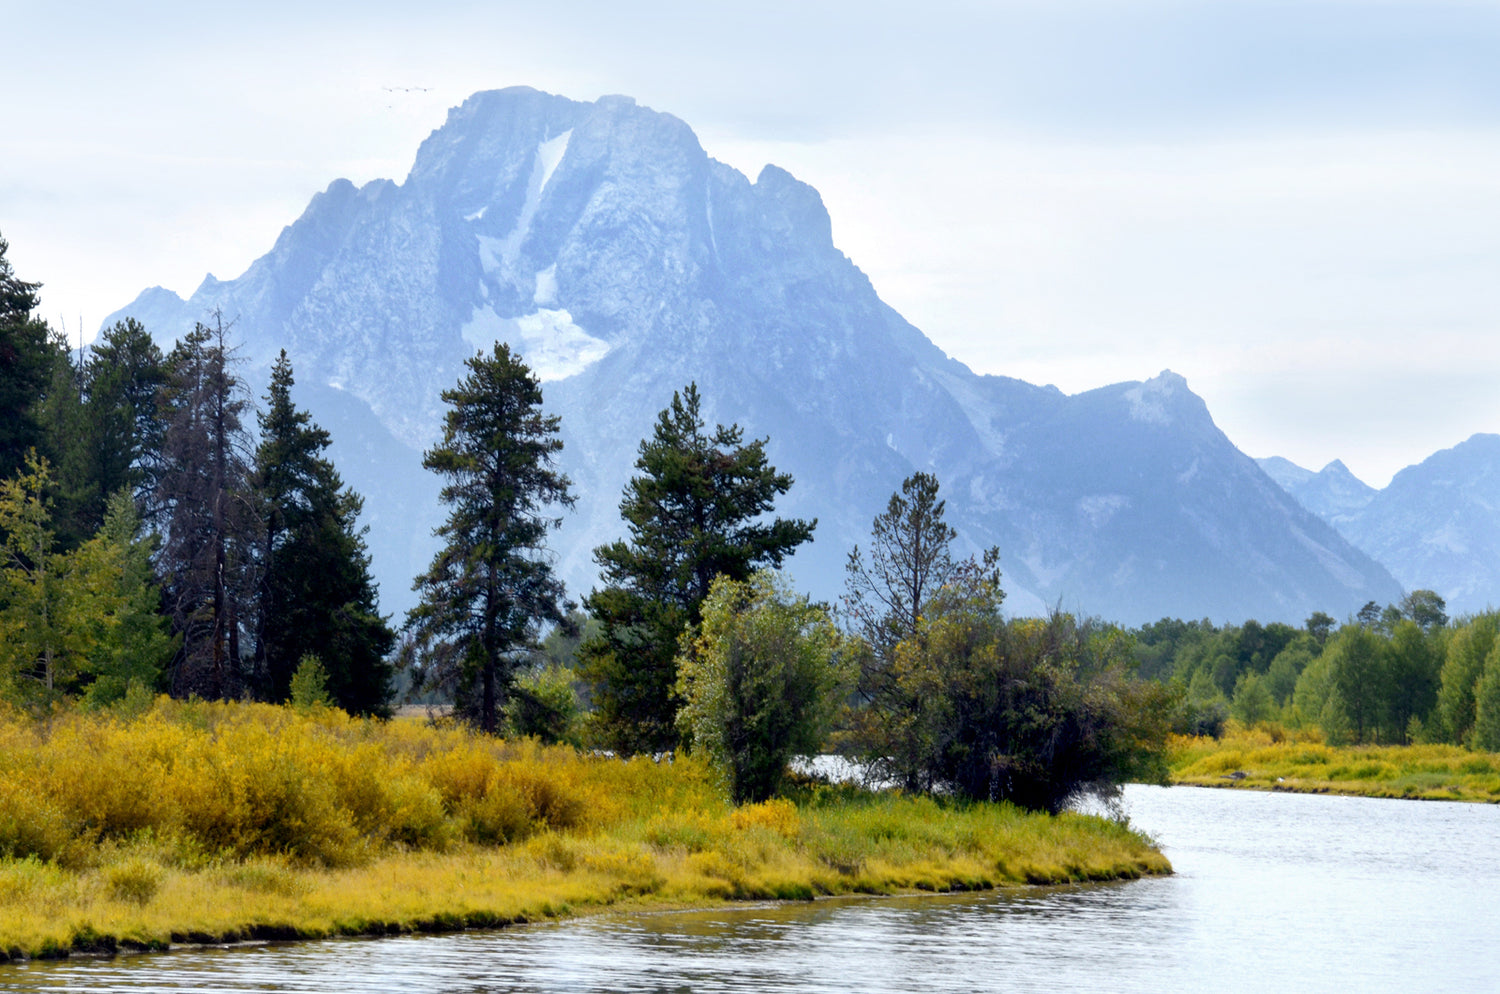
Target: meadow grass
[1272, 759]
[200, 822]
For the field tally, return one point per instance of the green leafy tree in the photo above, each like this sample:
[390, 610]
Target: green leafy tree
[1205, 709]
[760, 681]
[1312, 692]
[308, 688]
[1320, 625]
[696, 510]
[1487, 704]
[1033, 711]
[1252, 702]
[1413, 662]
[131, 644]
[317, 597]
[1468, 648]
[1282, 674]
[1357, 673]
[81, 621]
[491, 589]
[39, 650]
[1426, 608]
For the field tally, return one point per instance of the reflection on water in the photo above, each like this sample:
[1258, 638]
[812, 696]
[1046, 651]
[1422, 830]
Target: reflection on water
[1273, 892]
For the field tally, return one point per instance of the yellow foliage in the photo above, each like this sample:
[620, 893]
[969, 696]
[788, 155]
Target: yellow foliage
[778, 815]
[229, 821]
[1306, 764]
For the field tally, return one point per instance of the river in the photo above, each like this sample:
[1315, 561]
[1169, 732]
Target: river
[1273, 892]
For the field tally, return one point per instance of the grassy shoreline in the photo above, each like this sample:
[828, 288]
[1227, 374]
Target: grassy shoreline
[1263, 760]
[210, 823]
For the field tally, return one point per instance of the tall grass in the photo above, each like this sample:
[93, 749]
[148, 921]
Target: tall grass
[216, 822]
[1272, 760]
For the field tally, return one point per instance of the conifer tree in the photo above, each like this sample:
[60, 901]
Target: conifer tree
[696, 510]
[28, 355]
[205, 509]
[317, 597]
[490, 590]
[124, 382]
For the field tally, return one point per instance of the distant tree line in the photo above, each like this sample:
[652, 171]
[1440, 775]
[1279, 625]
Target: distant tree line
[1398, 674]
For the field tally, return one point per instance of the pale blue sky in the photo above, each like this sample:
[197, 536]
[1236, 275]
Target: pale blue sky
[1295, 205]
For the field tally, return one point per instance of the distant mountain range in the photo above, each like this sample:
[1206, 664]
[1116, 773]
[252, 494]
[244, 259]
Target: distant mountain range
[622, 261]
[1435, 527]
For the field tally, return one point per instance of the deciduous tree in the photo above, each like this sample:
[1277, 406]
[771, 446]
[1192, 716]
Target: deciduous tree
[760, 681]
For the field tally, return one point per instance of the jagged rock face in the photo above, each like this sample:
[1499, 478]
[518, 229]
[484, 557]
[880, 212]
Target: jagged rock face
[602, 242]
[1333, 493]
[1437, 525]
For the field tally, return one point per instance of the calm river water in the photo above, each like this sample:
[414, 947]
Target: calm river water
[1273, 892]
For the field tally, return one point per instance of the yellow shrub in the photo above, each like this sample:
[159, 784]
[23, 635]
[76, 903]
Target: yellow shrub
[778, 815]
[136, 880]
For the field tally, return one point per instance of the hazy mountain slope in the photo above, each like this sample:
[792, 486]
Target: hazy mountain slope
[1333, 493]
[1437, 525]
[602, 242]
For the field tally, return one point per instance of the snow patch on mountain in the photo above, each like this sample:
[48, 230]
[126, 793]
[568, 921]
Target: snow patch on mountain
[549, 154]
[546, 287]
[550, 342]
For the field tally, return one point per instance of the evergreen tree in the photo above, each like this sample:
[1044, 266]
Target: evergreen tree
[696, 510]
[124, 382]
[490, 590]
[910, 561]
[27, 358]
[205, 508]
[316, 596]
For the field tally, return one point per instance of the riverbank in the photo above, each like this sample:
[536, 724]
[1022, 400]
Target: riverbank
[209, 823]
[1255, 760]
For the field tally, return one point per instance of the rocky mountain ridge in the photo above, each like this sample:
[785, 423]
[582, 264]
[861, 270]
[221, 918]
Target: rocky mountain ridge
[622, 261]
[1436, 526]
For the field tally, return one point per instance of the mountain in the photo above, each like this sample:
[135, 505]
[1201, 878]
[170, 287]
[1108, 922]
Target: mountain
[1333, 493]
[603, 243]
[1437, 525]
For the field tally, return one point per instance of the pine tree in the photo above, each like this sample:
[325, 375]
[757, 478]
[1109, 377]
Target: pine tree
[28, 355]
[696, 510]
[491, 588]
[316, 596]
[124, 382]
[204, 506]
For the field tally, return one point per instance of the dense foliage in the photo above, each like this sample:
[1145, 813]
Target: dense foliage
[1399, 674]
[148, 542]
[761, 680]
[954, 697]
[695, 510]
